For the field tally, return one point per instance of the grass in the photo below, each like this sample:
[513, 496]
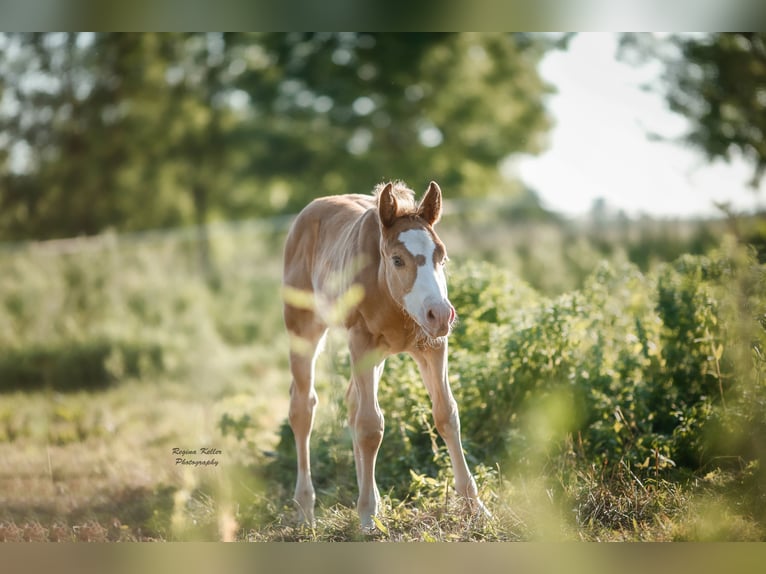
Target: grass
[98, 464]
[106, 472]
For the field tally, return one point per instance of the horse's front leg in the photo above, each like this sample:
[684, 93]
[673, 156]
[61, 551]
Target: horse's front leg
[303, 401]
[433, 367]
[365, 420]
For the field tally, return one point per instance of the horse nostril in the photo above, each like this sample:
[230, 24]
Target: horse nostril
[431, 316]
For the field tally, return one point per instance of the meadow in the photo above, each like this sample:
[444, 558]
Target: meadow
[610, 382]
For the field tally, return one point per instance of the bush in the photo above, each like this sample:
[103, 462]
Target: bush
[640, 370]
[74, 366]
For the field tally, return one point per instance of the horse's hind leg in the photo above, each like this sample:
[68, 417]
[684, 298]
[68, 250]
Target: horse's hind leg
[352, 402]
[306, 338]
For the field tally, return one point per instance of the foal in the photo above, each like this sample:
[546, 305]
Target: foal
[373, 264]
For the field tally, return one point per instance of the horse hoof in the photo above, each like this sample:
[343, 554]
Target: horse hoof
[483, 510]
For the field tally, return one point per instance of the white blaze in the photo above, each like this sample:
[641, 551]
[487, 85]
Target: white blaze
[430, 284]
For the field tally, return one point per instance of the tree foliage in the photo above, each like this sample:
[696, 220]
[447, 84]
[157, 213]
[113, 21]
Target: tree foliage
[137, 131]
[718, 82]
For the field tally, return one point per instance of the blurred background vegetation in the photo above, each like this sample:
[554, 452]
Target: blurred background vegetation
[610, 370]
[142, 131]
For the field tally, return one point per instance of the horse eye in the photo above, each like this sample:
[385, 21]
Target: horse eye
[398, 262]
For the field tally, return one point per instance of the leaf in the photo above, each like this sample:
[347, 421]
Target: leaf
[718, 352]
[664, 461]
[380, 525]
[298, 298]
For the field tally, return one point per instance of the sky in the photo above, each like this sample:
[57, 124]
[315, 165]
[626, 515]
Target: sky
[599, 147]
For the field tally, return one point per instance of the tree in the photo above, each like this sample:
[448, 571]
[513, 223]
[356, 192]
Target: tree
[82, 119]
[135, 131]
[355, 109]
[718, 81]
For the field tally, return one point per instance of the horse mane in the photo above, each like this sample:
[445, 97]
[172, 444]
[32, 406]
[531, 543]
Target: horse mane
[405, 197]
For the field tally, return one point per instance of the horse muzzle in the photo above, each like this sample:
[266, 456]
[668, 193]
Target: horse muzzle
[439, 318]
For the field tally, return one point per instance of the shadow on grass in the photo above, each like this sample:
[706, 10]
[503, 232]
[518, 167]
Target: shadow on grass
[132, 515]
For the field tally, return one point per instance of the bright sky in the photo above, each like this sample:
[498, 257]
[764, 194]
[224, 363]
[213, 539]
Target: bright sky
[599, 146]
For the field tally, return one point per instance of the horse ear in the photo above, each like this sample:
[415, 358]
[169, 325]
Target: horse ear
[430, 207]
[387, 206]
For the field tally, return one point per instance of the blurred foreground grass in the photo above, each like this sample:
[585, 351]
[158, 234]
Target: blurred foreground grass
[116, 350]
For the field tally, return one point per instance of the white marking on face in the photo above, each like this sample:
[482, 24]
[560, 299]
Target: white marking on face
[430, 283]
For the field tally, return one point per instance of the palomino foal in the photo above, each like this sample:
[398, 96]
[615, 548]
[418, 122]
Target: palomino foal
[384, 244]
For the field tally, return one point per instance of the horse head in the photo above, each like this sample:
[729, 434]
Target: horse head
[413, 257]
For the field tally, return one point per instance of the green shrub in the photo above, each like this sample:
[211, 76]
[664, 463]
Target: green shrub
[634, 369]
[77, 365]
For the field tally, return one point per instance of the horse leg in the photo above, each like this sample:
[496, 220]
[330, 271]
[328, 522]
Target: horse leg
[366, 421]
[305, 346]
[432, 362]
[352, 402]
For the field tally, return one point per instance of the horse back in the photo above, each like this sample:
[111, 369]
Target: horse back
[329, 236]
